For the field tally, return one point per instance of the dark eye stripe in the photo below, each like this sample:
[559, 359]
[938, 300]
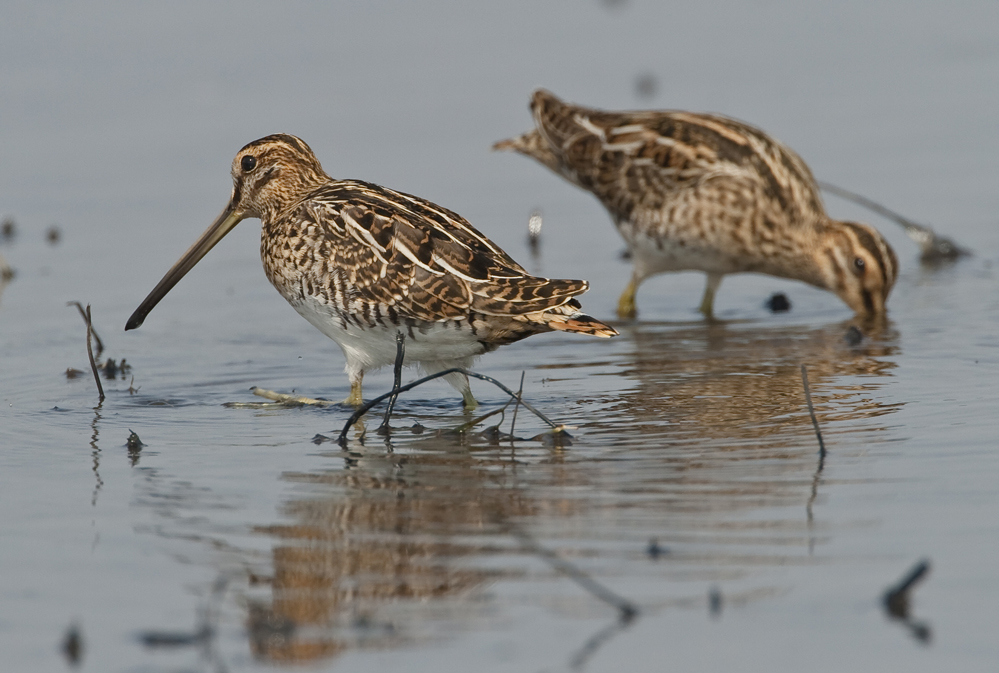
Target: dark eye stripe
[868, 242]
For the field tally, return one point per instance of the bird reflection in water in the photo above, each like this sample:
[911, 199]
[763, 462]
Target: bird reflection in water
[738, 383]
[711, 451]
[379, 539]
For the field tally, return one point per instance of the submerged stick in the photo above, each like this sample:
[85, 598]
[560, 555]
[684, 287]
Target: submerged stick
[896, 599]
[342, 439]
[280, 399]
[811, 412]
[464, 427]
[822, 457]
[626, 609]
[896, 602]
[83, 314]
[400, 355]
[595, 642]
[933, 247]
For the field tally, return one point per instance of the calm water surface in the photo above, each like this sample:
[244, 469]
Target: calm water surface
[426, 552]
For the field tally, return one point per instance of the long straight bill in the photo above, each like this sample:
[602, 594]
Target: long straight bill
[222, 225]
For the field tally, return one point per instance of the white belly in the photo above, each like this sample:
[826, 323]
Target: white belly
[661, 254]
[435, 346]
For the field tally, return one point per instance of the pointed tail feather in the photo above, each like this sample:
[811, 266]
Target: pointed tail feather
[508, 144]
[582, 324]
[531, 144]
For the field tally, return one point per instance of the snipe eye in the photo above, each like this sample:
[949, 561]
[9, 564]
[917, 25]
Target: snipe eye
[248, 163]
[859, 265]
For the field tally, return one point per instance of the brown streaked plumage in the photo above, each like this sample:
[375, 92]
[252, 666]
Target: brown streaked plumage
[363, 263]
[703, 192]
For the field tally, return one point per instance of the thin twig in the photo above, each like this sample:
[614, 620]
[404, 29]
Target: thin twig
[933, 247]
[464, 427]
[596, 641]
[520, 392]
[898, 595]
[871, 205]
[90, 354]
[896, 602]
[342, 439]
[400, 354]
[813, 495]
[811, 412]
[83, 314]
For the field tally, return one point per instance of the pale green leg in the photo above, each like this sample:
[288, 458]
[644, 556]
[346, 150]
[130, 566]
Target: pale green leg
[459, 381]
[355, 398]
[468, 400]
[708, 302]
[626, 307]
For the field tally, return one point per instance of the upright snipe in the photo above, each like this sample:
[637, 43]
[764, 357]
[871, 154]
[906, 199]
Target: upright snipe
[364, 263]
[707, 193]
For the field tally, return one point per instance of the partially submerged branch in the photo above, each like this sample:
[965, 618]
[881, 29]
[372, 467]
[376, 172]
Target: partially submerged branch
[627, 610]
[342, 439]
[934, 248]
[83, 314]
[897, 601]
[280, 400]
[400, 356]
[811, 412]
[91, 335]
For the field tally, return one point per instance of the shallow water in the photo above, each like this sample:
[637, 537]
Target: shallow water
[693, 486]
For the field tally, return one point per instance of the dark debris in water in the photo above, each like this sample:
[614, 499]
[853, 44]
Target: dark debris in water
[174, 639]
[715, 602]
[134, 446]
[163, 403]
[72, 645]
[202, 636]
[133, 443]
[554, 439]
[897, 601]
[939, 250]
[853, 336]
[656, 551]
[778, 303]
[112, 369]
[8, 229]
[371, 627]
[53, 234]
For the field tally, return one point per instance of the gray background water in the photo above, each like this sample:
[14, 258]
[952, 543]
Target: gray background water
[118, 123]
